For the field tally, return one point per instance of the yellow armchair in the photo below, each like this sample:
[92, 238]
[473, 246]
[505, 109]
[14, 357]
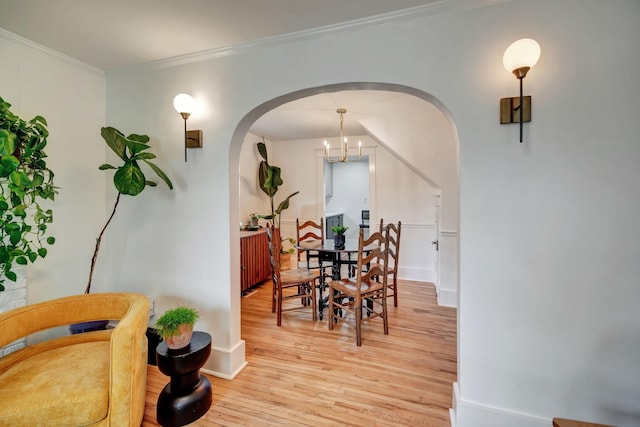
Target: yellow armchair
[89, 379]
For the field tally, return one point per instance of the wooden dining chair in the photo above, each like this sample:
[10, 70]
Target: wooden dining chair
[348, 296]
[309, 232]
[394, 256]
[297, 284]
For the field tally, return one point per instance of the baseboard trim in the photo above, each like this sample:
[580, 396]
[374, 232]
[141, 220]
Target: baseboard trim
[417, 274]
[447, 298]
[473, 414]
[226, 363]
[222, 375]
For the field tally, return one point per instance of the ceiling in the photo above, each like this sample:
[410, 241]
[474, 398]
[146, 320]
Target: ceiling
[111, 34]
[316, 116]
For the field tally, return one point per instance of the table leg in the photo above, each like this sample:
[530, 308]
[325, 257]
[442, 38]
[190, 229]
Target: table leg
[322, 301]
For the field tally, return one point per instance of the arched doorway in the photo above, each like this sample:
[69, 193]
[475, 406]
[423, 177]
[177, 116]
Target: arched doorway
[440, 200]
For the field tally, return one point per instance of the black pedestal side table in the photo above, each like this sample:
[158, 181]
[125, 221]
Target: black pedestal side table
[188, 396]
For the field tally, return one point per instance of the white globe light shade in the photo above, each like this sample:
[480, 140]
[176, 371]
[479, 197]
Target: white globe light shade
[521, 53]
[184, 103]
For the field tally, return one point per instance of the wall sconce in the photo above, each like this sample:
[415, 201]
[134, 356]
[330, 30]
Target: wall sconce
[185, 105]
[518, 59]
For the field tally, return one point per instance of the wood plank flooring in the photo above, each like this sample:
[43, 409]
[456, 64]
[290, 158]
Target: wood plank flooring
[302, 374]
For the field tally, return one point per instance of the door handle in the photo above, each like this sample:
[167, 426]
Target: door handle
[437, 243]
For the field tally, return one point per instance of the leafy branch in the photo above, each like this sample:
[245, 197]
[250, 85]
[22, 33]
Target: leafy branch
[129, 179]
[270, 178]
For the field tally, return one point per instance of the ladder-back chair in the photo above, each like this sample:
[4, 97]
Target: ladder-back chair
[309, 232]
[350, 295]
[299, 283]
[394, 256]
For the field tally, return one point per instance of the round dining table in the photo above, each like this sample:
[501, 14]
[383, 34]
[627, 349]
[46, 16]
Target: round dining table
[336, 256]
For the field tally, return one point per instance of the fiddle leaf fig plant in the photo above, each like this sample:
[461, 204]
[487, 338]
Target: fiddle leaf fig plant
[25, 182]
[269, 178]
[129, 179]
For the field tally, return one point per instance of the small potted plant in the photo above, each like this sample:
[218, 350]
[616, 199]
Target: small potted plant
[253, 221]
[338, 237]
[176, 326]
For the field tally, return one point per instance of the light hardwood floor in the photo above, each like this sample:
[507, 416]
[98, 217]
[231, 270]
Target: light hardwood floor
[302, 374]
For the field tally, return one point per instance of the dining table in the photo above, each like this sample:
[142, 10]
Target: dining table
[335, 257]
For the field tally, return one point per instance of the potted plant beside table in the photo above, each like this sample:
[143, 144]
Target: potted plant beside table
[176, 326]
[188, 396]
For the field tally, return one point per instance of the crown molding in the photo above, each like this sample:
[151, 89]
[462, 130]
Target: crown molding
[14, 38]
[429, 10]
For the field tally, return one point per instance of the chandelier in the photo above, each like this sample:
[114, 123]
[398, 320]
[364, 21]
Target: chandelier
[344, 145]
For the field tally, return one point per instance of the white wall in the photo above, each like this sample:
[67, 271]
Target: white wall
[71, 97]
[424, 138]
[548, 323]
[404, 196]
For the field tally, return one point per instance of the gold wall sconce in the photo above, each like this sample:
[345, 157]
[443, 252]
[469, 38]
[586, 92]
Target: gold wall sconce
[185, 105]
[518, 59]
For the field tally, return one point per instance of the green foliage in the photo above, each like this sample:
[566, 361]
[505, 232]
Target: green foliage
[339, 229]
[129, 178]
[25, 181]
[291, 242]
[269, 178]
[173, 318]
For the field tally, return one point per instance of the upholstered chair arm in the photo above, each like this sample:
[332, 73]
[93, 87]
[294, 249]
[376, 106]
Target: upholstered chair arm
[129, 364]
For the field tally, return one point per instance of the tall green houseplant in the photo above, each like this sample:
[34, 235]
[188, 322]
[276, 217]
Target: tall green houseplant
[129, 179]
[270, 178]
[25, 182]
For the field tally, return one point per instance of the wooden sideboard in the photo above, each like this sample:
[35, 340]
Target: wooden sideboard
[255, 265]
